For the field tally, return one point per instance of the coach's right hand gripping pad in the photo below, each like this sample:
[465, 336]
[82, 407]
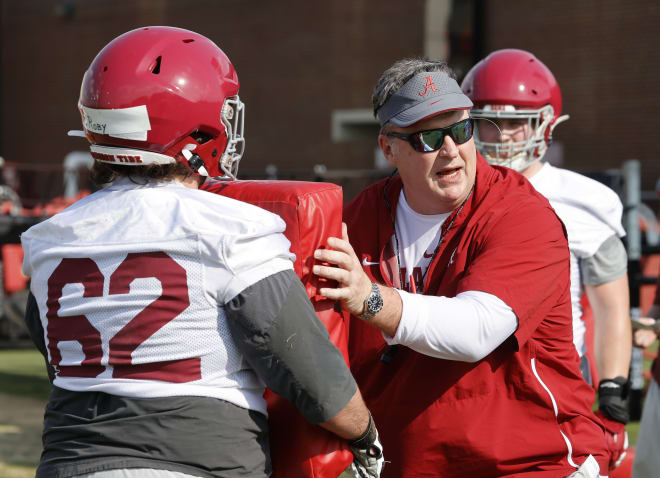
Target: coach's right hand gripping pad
[312, 212]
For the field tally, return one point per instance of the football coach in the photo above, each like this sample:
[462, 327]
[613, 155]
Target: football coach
[457, 280]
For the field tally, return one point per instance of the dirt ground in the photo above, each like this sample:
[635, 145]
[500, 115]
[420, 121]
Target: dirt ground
[20, 435]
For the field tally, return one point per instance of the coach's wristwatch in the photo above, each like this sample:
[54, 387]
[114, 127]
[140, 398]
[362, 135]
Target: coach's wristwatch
[373, 303]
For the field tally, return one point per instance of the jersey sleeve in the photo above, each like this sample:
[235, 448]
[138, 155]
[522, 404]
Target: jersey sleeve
[249, 250]
[608, 263]
[26, 267]
[591, 215]
[522, 259]
[274, 325]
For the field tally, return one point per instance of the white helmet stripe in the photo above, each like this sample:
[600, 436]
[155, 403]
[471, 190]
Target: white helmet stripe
[128, 123]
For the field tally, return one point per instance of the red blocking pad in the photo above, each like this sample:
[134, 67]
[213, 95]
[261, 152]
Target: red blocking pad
[312, 213]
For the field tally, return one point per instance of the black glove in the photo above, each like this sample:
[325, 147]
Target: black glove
[368, 453]
[613, 412]
[613, 398]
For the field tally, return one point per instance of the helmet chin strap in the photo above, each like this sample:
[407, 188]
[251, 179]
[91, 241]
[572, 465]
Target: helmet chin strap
[194, 161]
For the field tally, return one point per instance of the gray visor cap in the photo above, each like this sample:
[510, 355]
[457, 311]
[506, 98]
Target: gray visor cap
[425, 94]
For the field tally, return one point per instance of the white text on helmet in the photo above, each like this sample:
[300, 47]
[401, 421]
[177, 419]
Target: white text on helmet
[116, 158]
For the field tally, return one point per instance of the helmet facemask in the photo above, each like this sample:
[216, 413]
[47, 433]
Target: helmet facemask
[233, 117]
[203, 156]
[517, 155]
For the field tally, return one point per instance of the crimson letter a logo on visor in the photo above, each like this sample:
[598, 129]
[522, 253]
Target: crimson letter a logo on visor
[429, 84]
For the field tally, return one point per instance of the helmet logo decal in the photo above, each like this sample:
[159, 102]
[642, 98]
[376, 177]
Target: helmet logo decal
[429, 84]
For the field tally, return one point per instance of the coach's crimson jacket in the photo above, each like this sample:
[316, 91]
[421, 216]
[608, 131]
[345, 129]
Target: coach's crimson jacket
[524, 410]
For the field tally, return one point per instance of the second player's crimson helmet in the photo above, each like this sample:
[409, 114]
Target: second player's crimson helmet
[157, 95]
[514, 84]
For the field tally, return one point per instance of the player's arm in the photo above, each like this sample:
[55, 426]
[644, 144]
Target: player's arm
[612, 338]
[647, 329]
[654, 312]
[606, 285]
[274, 325]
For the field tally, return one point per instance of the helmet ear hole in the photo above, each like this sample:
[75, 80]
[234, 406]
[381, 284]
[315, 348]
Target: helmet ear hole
[156, 68]
[201, 137]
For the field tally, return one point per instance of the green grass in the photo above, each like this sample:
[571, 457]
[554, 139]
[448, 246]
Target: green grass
[633, 430]
[24, 390]
[23, 372]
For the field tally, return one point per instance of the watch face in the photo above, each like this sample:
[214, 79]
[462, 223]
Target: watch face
[375, 302]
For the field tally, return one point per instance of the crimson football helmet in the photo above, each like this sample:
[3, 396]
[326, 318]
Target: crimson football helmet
[157, 95]
[514, 85]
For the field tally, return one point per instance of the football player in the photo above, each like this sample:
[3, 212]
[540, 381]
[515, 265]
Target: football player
[164, 311]
[517, 105]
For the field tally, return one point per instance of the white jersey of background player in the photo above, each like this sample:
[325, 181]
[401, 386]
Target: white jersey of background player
[518, 104]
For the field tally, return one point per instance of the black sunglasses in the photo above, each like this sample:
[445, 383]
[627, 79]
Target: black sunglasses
[432, 139]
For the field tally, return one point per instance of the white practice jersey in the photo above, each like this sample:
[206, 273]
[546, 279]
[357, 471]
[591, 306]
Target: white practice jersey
[591, 213]
[131, 282]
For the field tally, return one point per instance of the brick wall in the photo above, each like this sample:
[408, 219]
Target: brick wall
[604, 54]
[298, 60]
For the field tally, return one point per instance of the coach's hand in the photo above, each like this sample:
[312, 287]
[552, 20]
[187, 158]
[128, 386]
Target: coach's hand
[368, 453]
[354, 285]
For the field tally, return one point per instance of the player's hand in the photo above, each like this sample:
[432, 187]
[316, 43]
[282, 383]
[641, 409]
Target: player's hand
[613, 412]
[367, 451]
[353, 283]
[644, 337]
[616, 438]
